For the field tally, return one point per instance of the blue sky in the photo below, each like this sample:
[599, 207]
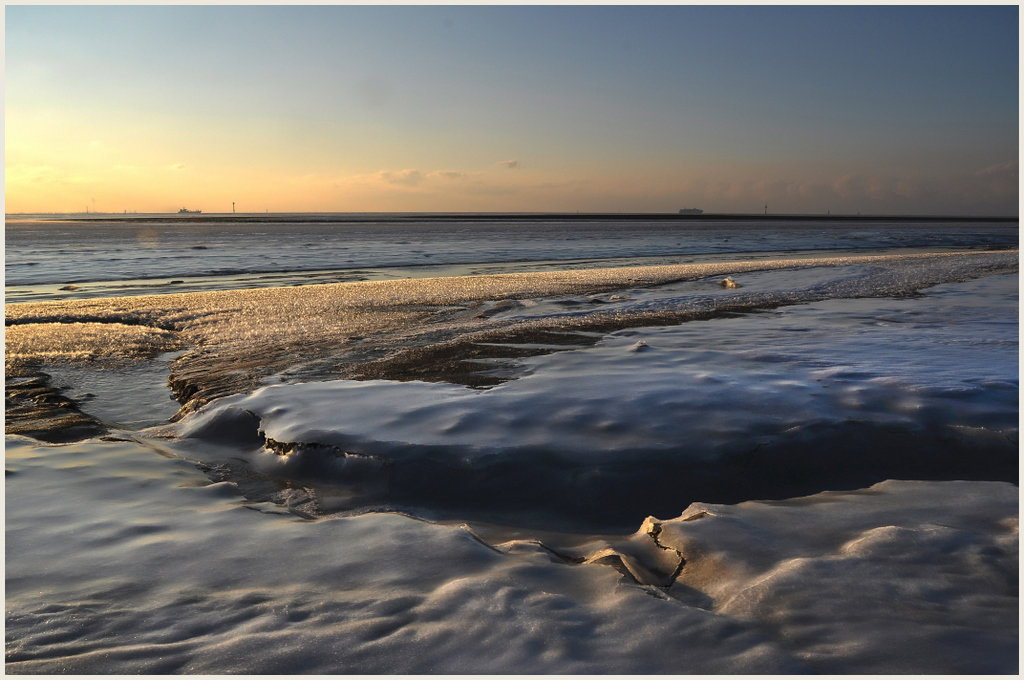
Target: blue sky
[863, 109]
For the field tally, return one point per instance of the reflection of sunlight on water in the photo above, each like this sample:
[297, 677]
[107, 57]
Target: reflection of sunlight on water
[148, 238]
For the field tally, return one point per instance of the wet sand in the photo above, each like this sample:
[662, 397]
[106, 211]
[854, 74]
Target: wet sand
[441, 329]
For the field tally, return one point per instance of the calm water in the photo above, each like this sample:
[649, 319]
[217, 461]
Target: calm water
[134, 255]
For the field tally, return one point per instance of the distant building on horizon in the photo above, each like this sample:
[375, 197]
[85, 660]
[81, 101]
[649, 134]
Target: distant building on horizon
[691, 211]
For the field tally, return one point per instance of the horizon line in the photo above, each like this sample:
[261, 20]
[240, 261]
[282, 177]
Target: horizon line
[203, 217]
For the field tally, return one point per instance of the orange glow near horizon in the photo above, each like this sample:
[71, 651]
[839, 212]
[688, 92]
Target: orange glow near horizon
[360, 109]
[61, 162]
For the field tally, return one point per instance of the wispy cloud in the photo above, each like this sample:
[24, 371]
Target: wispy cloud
[511, 165]
[447, 174]
[994, 188]
[178, 166]
[43, 174]
[1008, 168]
[33, 174]
[566, 184]
[1002, 179]
[482, 189]
[405, 178]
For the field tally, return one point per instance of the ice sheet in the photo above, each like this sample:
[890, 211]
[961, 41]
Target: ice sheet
[103, 577]
[348, 323]
[121, 557]
[904, 577]
[841, 393]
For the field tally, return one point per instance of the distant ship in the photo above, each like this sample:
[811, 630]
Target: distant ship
[186, 211]
[691, 211]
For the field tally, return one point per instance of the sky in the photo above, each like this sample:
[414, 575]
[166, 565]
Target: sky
[876, 110]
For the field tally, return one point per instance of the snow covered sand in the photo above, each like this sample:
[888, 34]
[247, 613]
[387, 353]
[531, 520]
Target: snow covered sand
[833, 394]
[121, 557]
[903, 577]
[102, 576]
[380, 329]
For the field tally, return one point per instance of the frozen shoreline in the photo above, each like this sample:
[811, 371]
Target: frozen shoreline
[102, 578]
[836, 394]
[396, 329]
[331, 540]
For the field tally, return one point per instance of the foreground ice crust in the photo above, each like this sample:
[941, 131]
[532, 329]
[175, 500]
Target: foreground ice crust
[911, 577]
[905, 577]
[215, 587]
[948, 360]
[914, 577]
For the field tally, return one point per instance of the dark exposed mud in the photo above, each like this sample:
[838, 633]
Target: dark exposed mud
[34, 408]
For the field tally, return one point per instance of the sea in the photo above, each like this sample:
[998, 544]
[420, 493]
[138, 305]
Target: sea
[109, 256]
[762, 445]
